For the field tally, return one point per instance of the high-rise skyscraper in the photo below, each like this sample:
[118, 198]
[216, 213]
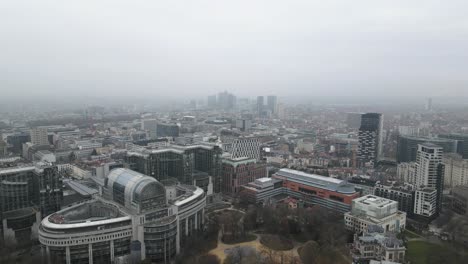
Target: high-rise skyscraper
[259, 105]
[429, 177]
[212, 101]
[272, 104]
[39, 136]
[149, 125]
[429, 104]
[370, 138]
[226, 101]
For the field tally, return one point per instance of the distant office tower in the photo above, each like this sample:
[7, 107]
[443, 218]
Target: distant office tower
[406, 172]
[241, 147]
[370, 138]
[39, 136]
[244, 124]
[456, 170]
[353, 120]
[167, 130]
[226, 101]
[17, 140]
[3, 147]
[429, 178]
[211, 102]
[25, 194]
[407, 146]
[408, 131]
[462, 143]
[272, 104]
[239, 172]
[429, 104]
[260, 105]
[149, 125]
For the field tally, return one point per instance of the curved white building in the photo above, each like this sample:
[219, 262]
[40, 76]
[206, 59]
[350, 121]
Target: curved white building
[136, 218]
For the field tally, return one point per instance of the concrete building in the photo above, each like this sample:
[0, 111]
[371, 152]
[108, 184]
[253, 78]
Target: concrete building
[262, 190]
[272, 104]
[363, 185]
[373, 210]
[226, 101]
[39, 136]
[403, 194]
[87, 144]
[425, 202]
[211, 102]
[260, 106]
[44, 156]
[456, 170]
[408, 131]
[149, 125]
[429, 175]
[137, 218]
[406, 172]
[244, 124]
[375, 244]
[239, 172]
[370, 139]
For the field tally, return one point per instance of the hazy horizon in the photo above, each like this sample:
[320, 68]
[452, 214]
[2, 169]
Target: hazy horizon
[197, 48]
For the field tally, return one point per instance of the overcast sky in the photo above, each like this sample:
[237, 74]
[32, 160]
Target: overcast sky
[196, 48]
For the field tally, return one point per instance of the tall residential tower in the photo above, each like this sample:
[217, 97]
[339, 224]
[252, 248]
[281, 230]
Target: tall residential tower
[370, 139]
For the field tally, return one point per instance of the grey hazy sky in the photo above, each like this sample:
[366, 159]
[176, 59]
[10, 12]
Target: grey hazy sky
[198, 47]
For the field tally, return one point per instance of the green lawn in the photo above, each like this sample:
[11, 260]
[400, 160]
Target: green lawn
[421, 252]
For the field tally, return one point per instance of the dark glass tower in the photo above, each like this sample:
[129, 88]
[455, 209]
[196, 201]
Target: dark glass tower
[370, 138]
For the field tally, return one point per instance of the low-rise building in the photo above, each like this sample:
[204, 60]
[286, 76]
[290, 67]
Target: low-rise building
[310, 189]
[403, 194]
[363, 185]
[375, 244]
[425, 202]
[373, 210]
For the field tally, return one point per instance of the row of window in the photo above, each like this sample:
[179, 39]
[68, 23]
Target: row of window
[86, 240]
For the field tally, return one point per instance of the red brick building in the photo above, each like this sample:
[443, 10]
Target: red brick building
[238, 172]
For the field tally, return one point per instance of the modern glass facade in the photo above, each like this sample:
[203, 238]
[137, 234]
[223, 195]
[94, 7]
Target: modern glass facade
[407, 146]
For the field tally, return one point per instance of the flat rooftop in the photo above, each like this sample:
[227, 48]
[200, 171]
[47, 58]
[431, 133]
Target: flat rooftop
[375, 201]
[317, 181]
